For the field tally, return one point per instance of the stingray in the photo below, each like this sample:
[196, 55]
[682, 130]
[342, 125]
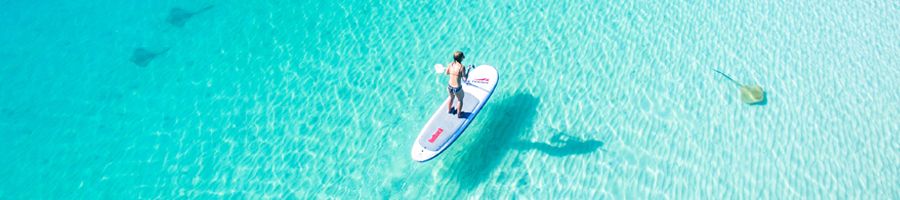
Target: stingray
[750, 94]
[141, 56]
[177, 16]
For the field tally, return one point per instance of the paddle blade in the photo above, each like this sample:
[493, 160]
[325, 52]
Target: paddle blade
[439, 68]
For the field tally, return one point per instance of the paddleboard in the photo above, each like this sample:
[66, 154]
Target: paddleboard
[443, 127]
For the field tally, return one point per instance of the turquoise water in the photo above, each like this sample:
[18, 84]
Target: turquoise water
[283, 99]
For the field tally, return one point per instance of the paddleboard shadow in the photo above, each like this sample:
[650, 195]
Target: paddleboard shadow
[503, 124]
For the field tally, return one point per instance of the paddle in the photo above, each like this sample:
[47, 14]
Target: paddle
[439, 68]
[752, 94]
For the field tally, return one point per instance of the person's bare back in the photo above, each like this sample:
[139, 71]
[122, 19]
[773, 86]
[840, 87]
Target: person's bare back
[455, 71]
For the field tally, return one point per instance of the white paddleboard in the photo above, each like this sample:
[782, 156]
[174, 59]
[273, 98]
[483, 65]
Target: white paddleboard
[443, 128]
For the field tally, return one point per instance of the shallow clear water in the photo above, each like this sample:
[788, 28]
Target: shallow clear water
[283, 99]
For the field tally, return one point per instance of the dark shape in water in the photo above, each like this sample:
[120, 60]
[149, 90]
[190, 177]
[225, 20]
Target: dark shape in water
[502, 125]
[750, 94]
[562, 144]
[142, 57]
[177, 16]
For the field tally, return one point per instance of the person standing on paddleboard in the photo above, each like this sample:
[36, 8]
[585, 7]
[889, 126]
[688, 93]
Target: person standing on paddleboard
[457, 73]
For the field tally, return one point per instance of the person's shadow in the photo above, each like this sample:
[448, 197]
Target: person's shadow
[561, 145]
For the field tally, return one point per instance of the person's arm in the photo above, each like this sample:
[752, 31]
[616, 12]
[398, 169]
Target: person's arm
[465, 72]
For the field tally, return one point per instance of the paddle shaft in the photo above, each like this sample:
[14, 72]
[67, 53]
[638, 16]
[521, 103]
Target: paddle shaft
[441, 68]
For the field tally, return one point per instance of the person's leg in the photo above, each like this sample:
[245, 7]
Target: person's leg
[450, 103]
[460, 95]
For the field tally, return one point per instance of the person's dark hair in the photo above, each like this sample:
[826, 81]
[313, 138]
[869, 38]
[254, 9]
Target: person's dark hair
[458, 56]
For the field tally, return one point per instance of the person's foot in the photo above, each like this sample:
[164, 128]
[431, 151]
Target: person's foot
[460, 115]
[451, 111]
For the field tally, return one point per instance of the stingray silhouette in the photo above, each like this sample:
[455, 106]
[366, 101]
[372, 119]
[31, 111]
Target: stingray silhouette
[750, 94]
[142, 57]
[177, 16]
